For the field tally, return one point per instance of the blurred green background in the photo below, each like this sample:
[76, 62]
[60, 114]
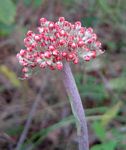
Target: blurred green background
[101, 82]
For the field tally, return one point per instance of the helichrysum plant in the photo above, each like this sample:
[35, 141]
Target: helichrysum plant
[56, 44]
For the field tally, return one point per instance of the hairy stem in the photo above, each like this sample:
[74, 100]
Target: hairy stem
[77, 107]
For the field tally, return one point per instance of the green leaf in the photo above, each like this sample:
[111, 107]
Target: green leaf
[110, 145]
[99, 130]
[110, 114]
[34, 3]
[10, 75]
[107, 9]
[5, 29]
[89, 87]
[112, 45]
[118, 84]
[89, 21]
[97, 147]
[15, 131]
[7, 12]
[68, 2]
[38, 3]
[27, 2]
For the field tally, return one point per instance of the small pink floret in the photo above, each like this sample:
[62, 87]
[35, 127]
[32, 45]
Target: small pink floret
[59, 65]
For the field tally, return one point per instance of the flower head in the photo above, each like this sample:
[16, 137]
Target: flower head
[56, 42]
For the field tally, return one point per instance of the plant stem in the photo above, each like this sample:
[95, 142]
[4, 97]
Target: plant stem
[30, 118]
[77, 107]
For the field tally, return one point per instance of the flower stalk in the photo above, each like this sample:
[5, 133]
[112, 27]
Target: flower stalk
[77, 107]
[54, 46]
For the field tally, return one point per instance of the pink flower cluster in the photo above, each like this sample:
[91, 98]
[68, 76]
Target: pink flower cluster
[56, 42]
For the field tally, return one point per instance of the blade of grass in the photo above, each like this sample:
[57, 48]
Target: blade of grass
[44, 132]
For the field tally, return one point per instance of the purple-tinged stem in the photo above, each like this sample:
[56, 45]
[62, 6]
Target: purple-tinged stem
[77, 107]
